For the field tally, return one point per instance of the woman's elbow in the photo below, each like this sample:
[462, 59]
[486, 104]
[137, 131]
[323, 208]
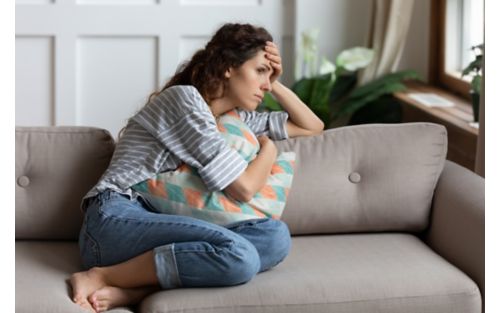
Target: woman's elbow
[247, 197]
[317, 129]
[238, 191]
[242, 196]
[320, 127]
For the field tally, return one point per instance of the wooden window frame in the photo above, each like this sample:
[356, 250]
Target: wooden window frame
[437, 74]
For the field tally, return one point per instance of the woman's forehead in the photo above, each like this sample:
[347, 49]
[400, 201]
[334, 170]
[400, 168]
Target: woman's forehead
[259, 58]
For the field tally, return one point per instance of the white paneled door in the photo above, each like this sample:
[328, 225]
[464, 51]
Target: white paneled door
[95, 62]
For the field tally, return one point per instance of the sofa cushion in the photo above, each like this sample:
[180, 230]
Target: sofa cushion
[55, 168]
[390, 273]
[377, 177]
[42, 269]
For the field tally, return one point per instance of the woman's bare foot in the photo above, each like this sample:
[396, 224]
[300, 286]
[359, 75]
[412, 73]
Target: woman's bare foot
[84, 284]
[109, 297]
[87, 306]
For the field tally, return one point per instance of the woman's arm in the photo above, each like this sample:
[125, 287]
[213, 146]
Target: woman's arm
[254, 177]
[302, 121]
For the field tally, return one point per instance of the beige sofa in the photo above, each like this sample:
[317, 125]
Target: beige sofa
[381, 222]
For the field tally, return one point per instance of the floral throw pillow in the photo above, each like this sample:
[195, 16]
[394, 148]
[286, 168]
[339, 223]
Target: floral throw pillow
[182, 192]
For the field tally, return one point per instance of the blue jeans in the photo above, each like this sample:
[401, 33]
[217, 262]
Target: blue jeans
[188, 252]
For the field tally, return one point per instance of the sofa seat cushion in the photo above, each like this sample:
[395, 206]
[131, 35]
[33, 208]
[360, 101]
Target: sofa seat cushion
[342, 273]
[42, 269]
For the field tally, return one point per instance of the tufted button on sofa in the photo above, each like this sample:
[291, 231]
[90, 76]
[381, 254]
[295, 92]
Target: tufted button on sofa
[23, 181]
[380, 222]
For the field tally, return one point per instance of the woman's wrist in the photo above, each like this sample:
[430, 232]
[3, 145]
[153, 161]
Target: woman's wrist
[284, 95]
[268, 147]
[276, 88]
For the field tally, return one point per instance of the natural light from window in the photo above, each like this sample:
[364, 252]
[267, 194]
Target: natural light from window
[464, 29]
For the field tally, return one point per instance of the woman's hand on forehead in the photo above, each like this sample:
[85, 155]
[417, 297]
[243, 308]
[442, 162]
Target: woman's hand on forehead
[274, 57]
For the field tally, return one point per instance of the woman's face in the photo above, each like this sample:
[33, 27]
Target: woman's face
[248, 83]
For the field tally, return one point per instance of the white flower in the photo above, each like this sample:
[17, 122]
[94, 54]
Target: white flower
[326, 67]
[308, 54]
[355, 58]
[309, 38]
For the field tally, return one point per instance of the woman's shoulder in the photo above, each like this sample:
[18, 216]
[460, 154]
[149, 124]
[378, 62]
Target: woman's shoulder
[189, 88]
[182, 91]
[183, 96]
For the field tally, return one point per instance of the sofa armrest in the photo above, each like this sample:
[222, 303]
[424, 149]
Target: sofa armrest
[457, 221]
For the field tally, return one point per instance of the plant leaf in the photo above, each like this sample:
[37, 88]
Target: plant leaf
[378, 83]
[342, 86]
[319, 101]
[314, 92]
[473, 66]
[353, 104]
[270, 103]
[321, 90]
[385, 109]
[476, 84]
[303, 89]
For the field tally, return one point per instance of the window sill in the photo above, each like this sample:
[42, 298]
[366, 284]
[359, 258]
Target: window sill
[462, 137]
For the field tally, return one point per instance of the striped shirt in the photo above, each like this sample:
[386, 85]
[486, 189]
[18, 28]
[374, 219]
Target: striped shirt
[178, 127]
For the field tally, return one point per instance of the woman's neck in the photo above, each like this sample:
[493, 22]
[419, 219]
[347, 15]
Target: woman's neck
[220, 106]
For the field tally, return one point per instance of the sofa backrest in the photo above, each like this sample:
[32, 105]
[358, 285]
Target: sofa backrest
[351, 179]
[55, 168]
[366, 178]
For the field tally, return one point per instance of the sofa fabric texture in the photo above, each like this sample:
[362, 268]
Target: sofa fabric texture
[351, 198]
[392, 272]
[458, 221]
[365, 178]
[389, 273]
[42, 268]
[55, 168]
[380, 223]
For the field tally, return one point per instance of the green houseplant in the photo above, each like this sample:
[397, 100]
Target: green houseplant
[373, 102]
[331, 90]
[474, 69]
[319, 86]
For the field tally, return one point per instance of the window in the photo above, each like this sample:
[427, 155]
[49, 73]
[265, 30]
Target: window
[457, 26]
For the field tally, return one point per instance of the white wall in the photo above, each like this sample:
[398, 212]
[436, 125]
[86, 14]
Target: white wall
[94, 62]
[342, 23]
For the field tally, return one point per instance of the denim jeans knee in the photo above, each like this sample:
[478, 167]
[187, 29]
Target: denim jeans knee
[188, 252]
[246, 264]
[270, 237]
[279, 243]
[200, 264]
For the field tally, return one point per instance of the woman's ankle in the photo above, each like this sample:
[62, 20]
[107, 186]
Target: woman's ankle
[100, 274]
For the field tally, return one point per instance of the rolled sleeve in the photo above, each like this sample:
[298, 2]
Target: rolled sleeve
[182, 122]
[223, 169]
[277, 125]
[272, 124]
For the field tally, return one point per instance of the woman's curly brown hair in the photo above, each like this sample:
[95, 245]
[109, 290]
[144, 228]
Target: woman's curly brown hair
[231, 46]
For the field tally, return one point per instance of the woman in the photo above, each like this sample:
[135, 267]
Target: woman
[128, 250]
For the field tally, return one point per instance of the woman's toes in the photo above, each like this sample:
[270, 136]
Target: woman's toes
[81, 302]
[99, 300]
[96, 304]
[102, 308]
[86, 305]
